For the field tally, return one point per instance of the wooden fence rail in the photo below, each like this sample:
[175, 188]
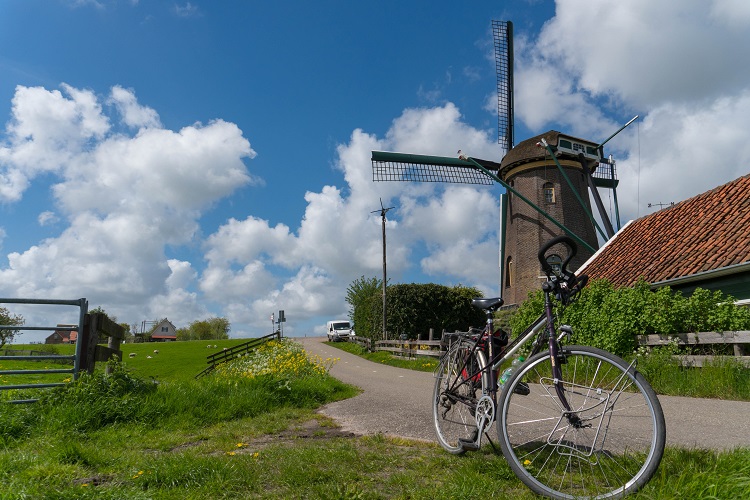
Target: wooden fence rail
[96, 327]
[405, 348]
[737, 339]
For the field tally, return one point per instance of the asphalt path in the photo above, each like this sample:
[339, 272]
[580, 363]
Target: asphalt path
[397, 402]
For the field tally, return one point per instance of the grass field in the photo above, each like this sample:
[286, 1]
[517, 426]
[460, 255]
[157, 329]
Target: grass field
[242, 434]
[175, 361]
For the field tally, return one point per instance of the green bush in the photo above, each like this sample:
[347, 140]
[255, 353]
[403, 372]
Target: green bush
[413, 309]
[610, 318]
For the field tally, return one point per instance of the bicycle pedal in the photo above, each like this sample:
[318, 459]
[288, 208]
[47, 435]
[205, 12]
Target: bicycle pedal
[468, 445]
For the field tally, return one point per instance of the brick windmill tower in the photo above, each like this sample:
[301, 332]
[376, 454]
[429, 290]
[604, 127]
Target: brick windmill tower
[530, 170]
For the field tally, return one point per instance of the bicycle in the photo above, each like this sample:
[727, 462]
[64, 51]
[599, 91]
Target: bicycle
[572, 421]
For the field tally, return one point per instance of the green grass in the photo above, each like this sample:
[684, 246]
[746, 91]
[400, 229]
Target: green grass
[175, 361]
[122, 436]
[724, 378]
[420, 363]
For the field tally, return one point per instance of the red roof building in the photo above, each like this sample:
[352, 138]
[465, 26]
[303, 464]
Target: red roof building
[62, 336]
[703, 242]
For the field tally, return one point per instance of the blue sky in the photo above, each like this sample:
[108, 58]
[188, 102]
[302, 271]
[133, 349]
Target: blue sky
[190, 159]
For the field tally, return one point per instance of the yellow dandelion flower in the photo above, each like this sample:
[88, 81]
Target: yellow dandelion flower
[231, 453]
[527, 462]
[256, 454]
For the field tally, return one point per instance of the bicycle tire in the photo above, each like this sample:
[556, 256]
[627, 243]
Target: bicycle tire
[611, 443]
[458, 381]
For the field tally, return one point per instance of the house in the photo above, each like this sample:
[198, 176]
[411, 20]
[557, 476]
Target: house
[63, 336]
[164, 331]
[703, 242]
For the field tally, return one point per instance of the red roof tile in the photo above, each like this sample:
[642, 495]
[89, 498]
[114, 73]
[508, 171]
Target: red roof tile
[704, 233]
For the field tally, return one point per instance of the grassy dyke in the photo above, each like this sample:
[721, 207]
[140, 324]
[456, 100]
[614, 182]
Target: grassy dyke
[255, 434]
[176, 361]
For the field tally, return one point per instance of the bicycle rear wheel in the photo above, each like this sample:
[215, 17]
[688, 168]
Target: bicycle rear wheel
[458, 383]
[609, 444]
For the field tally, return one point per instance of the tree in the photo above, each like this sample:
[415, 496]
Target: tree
[8, 319]
[413, 309]
[208, 329]
[365, 299]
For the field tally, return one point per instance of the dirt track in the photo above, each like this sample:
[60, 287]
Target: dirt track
[397, 402]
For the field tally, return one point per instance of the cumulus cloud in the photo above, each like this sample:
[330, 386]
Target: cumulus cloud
[339, 238]
[128, 190]
[124, 197]
[675, 65]
[133, 114]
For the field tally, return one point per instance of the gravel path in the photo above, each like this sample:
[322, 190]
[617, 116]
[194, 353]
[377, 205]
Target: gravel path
[397, 402]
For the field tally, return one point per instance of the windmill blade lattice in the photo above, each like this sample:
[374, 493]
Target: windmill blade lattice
[401, 167]
[502, 33]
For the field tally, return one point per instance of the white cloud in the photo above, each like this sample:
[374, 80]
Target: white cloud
[133, 114]
[47, 217]
[132, 194]
[47, 130]
[124, 197]
[594, 66]
[256, 268]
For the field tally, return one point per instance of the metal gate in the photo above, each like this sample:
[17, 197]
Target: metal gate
[7, 354]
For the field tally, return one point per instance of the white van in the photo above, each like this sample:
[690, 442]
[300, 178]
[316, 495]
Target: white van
[340, 329]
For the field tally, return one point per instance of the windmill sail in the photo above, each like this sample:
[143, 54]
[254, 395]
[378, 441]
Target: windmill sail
[387, 166]
[502, 33]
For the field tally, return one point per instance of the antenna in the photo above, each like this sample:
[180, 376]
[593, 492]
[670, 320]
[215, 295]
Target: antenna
[502, 33]
[383, 211]
[661, 205]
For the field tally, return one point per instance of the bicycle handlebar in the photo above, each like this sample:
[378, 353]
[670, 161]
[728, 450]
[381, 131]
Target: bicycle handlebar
[566, 285]
[566, 240]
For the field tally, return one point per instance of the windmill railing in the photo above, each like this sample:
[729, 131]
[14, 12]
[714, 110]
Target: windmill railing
[606, 175]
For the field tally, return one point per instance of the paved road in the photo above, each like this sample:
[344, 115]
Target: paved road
[397, 402]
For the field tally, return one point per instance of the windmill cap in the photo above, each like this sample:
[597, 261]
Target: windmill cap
[532, 150]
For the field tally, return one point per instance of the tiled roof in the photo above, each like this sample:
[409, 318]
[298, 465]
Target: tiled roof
[704, 233]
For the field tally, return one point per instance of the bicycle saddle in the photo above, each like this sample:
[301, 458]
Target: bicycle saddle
[487, 304]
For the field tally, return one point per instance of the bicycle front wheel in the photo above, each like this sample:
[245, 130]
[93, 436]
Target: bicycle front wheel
[606, 443]
[458, 383]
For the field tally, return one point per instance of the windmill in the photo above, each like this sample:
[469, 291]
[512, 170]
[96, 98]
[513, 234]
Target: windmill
[548, 178]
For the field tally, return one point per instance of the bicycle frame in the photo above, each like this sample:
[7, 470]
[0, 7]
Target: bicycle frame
[490, 362]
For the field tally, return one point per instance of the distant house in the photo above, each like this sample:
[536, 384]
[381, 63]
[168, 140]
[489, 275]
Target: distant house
[703, 242]
[63, 336]
[164, 331]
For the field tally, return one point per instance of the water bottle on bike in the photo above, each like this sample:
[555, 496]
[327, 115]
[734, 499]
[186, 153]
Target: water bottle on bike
[511, 369]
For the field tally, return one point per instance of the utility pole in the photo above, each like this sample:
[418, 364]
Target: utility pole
[383, 211]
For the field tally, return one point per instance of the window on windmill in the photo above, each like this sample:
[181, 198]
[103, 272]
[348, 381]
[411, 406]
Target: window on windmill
[164, 329]
[548, 189]
[555, 261]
